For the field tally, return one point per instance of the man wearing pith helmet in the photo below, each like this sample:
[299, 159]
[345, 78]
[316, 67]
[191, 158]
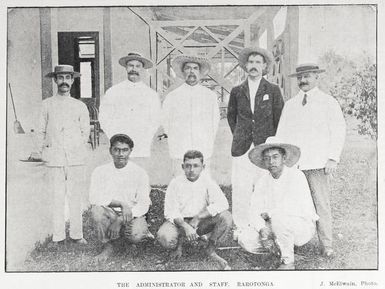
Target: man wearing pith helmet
[63, 135]
[132, 108]
[253, 114]
[190, 112]
[281, 207]
[314, 122]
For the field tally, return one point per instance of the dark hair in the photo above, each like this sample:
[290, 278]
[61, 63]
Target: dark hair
[123, 138]
[256, 53]
[192, 154]
[281, 150]
[184, 64]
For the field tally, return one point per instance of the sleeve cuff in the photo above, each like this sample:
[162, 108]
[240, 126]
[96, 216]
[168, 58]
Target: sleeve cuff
[212, 210]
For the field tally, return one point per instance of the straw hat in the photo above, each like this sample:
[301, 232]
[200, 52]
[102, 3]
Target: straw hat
[305, 68]
[135, 56]
[244, 56]
[62, 69]
[292, 152]
[180, 60]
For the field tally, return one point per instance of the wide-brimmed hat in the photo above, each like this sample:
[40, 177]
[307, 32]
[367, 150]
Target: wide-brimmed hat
[243, 57]
[305, 68]
[136, 56]
[292, 152]
[62, 69]
[180, 60]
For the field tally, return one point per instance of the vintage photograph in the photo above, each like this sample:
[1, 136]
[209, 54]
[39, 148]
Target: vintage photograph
[191, 138]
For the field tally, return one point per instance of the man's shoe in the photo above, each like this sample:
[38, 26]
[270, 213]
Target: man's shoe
[81, 241]
[289, 266]
[149, 236]
[328, 253]
[236, 234]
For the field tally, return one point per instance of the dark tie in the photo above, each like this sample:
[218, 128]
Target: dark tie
[304, 100]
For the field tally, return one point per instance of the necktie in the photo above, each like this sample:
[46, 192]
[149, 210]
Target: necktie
[304, 101]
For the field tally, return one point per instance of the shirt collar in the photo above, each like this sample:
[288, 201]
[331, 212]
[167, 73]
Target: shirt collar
[254, 83]
[62, 97]
[310, 93]
[282, 176]
[191, 87]
[134, 84]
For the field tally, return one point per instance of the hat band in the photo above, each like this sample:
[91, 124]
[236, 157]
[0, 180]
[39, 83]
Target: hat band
[306, 68]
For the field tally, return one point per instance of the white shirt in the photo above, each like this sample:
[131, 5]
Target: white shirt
[133, 109]
[63, 131]
[317, 128]
[289, 195]
[253, 88]
[185, 199]
[190, 119]
[129, 184]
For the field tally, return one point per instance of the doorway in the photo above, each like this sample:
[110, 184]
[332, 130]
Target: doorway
[81, 49]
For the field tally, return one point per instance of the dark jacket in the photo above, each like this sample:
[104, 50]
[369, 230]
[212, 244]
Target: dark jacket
[246, 127]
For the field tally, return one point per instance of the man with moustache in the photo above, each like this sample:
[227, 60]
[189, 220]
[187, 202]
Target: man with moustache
[314, 122]
[120, 198]
[253, 114]
[190, 112]
[132, 108]
[62, 140]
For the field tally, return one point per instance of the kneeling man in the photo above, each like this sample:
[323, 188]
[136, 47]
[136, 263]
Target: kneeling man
[281, 205]
[195, 206]
[119, 195]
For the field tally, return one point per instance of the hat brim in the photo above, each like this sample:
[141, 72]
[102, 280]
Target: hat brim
[244, 56]
[306, 71]
[146, 62]
[53, 74]
[293, 154]
[179, 61]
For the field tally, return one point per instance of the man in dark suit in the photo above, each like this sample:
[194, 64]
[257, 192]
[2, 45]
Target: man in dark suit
[253, 114]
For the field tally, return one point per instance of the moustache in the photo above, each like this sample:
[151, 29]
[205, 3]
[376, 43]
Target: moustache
[64, 84]
[133, 73]
[192, 75]
[303, 83]
[253, 69]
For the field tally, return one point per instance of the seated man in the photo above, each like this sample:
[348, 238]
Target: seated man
[119, 195]
[281, 203]
[195, 206]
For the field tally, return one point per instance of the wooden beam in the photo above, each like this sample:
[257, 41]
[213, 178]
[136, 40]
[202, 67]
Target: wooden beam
[231, 70]
[177, 44]
[107, 48]
[45, 51]
[218, 22]
[247, 34]
[174, 43]
[219, 41]
[153, 55]
[237, 31]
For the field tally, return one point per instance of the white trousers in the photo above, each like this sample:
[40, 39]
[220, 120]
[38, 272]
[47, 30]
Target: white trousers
[244, 172]
[288, 230]
[177, 167]
[67, 182]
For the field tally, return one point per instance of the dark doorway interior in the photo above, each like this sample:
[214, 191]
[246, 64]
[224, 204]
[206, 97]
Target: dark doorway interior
[81, 49]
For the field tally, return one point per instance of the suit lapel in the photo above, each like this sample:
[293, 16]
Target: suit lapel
[245, 92]
[245, 89]
[261, 89]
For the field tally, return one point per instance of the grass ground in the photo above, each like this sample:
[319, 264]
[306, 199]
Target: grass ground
[354, 209]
